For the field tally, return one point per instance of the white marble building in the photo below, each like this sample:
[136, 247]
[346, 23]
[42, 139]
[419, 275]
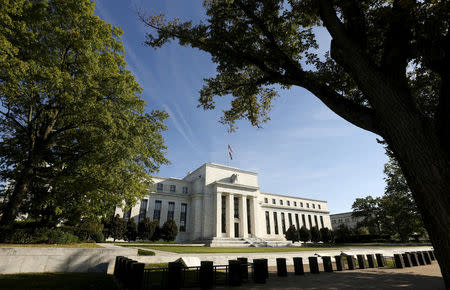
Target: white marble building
[217, 203]
[345, 219]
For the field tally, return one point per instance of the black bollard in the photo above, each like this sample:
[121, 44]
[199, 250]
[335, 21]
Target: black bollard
[129, 273]
[398, 261]
[414, 259]
[433, 258]
[244, 268]
[259, 271]
[380, 260]
[298, 266]
[206, 274]
[313, 265]
[174, 275]
[116, 265]
[122, 269]
[138, 275]
[339, 263]
[351, 262]
[426, 257]
[371, 261]
[281, 267]
[420, 258]
[407, 259]
[361, 261]
[234, 273]
[266, 267]
[327, 265]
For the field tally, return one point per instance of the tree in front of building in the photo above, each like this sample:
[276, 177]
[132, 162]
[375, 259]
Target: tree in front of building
[75, 138]
[369, 209]
[169, 231]
[342, 234]
[117, 228]
[131, 232]
[155, 230]
[292, 234]
[304, 234]
[326, 235]
[385, 70]
[145, 229]
[315, 235]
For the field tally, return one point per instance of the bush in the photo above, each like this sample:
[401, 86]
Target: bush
[156, 231]
[145, 230]
[326, 235]
[131, 232]
[89, 230]
[145, 253]
[292, 234]
[315, 235]
[169, 231]
[117, 228]
[36, 236]
[304, 234]
[98, 237]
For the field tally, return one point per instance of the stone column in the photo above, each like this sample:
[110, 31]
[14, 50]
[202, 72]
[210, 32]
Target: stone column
[243, 228]
[230, 216]
[219, 214]
[253, 216]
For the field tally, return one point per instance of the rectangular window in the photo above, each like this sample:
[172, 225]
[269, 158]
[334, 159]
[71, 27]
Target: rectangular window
[283, 223]
[157, 211]
[315, 221]
[173, 188]
[159, 187]
[301, 204]
[313, 205]
[224, 216]
[236, 207]
[273, 201]
[127, 214]
[171, 211]
[310, 222]
[249, 225]
[297, 221]
[307, 205]
[295, 203]
[318, 206]
[267, 223]
[288, 203]
[321, 221]
[303, 220]
[183, 217]
[143, 209]
[290, 219]
[185, 189]
[275, 220]
[281, 202]
[266, 200]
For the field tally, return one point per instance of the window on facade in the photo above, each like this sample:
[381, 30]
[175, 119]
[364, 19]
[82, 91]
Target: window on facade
[159, 187]
[173, 188]
[307, 205]
[185, 189]
[297, 221]
[236, 207]
[313, 205]
[288, 203]
[303, 220]
[171, 211]
[249, 225]
[290, 219]
[321, 221]
[281, 201]
[295, 203]
[283, 223]
[315, 221]
[301, 204]
[267, 223]
[266, 200]
[310, 222]
[275, 220]
[143, 209]
[127, 214]
[318, 206]
[157, 211]
[273, 201]
[183, 217]
[224, 222]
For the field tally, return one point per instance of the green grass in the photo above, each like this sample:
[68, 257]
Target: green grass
[145, 253]
[58, 281]
[156, 265]
[77, 245]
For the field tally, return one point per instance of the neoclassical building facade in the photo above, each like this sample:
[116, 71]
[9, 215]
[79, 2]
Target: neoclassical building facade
[218, 204]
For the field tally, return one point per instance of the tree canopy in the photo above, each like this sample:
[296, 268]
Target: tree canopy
[75, 139]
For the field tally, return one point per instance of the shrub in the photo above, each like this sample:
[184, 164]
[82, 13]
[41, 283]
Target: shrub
[145, 253]
[144, 229]
[156, 231]
[117, 228]
[89, 230]
[169, 231]
[326, 235]
[131, 231]
[292, 234]
[304, 234]
[315, 235]
[98, 237]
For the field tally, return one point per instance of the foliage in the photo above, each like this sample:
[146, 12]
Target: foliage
[144, 229]
[36, 236]
[169, 231]
[362, 231]
[315, 235]
[117, 228]
[145, 253]
[368, 208]
[75, 140]
[156, 230]
[131, 232]
[342, 234]
[292, 234]
[304, 234]
[89, 230]
[326, 235]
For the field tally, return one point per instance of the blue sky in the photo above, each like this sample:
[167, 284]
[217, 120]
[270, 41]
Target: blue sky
[305, 150]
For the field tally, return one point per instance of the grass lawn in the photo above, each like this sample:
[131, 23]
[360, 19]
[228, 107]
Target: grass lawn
[77, 245]
[201, 249]
[58, 281]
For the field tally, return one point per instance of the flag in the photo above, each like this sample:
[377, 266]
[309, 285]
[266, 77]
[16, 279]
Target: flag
[231, 156]
[230, 149]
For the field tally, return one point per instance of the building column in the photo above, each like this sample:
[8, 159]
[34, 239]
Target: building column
[243, 227]
[280, 224]
[219, 214]
[230, 215]
[253, 216]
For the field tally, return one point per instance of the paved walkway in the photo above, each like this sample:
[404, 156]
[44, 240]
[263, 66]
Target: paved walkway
[423, 277]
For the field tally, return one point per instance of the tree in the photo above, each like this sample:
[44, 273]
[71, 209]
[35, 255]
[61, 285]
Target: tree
[156, 231]
[369, 209]
[292, 234]
[131, 232]
[169, 231]
[387, 71]
[342, 234]
[75, 140]
[315, 235]
[326, 235]
[117, 228]
[145, 229]
[304, 234]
